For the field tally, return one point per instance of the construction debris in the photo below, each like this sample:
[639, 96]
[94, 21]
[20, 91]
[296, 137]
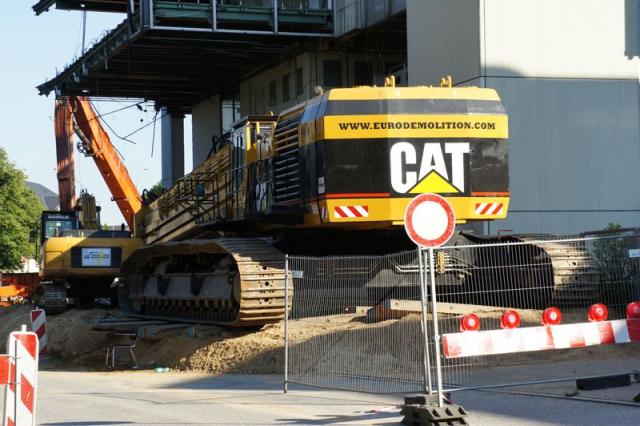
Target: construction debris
[396, 309]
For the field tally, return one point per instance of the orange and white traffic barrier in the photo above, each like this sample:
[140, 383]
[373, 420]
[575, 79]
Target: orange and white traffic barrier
[22, 379]
[39, 326]
[4, 370]
[552, 335]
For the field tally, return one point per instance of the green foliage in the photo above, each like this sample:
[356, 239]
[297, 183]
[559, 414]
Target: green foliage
[157, 189]
[618, 284]
[19, 213]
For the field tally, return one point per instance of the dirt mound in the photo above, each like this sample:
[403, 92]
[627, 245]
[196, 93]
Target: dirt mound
[322, 343]
[74, 342]
[70, 334]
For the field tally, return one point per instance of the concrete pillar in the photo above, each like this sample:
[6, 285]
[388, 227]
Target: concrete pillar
[205, 123]
[172, 126]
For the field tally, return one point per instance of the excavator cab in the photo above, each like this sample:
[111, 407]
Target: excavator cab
[54, 223]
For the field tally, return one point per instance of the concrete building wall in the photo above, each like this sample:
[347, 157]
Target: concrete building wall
[567, 72]
[573, 154]
[442, 39]
[255, 92]
[560, 39]
[205, 123]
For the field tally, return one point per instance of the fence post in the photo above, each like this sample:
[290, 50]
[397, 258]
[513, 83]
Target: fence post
[434, 318]
[286, 322]
[426, 363]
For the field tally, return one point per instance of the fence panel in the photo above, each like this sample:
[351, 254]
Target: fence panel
[530, 276]
[336, 341]
[358, 322]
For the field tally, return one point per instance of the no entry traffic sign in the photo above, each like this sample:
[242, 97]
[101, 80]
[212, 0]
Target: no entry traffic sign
[429, 220]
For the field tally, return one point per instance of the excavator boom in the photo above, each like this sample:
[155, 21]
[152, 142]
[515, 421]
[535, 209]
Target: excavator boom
[95, 143]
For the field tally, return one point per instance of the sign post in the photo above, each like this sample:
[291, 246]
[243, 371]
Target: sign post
[430, 222]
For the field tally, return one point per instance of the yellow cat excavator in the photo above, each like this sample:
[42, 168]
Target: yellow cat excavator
[79, 259]
[332, 175]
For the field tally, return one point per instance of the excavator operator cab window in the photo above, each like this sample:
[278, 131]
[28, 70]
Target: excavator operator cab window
[53, 224]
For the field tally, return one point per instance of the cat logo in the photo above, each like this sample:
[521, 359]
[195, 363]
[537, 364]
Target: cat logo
[428, 167]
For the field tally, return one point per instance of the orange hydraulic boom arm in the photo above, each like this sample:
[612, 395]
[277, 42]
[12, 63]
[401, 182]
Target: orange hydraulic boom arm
[97, 144]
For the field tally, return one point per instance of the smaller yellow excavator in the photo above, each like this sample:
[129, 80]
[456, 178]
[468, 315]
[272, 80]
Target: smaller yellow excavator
[80, 259]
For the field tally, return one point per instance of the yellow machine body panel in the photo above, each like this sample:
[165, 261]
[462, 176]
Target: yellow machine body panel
[349, 158]
[87, 258]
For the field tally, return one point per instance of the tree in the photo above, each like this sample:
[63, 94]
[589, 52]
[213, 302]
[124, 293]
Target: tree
[19, 213]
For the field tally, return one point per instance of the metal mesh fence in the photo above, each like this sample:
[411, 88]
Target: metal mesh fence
[357, 322]
[335, 341]
[529, 276]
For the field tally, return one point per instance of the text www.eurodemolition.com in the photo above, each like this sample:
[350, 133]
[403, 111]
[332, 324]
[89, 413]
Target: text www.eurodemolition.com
[418, 125]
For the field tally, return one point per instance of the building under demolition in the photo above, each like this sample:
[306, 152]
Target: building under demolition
[574, 121]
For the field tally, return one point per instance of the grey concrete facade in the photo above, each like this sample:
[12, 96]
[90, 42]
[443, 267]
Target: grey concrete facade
[567, 73]
[205, 124]
[265, 92]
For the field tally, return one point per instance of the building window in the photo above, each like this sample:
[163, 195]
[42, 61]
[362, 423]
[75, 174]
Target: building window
[362, 76]
[285, 88]
[332, 74]
[299, 82]
[273, 96]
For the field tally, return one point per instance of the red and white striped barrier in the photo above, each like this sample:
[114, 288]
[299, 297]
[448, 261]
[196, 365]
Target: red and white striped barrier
[39, 326]
[4, 370]
[488, 208]
[22, 378]
[496, 342]
[350, 211]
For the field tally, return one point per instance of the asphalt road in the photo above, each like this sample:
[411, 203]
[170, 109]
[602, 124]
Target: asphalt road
[125, 398]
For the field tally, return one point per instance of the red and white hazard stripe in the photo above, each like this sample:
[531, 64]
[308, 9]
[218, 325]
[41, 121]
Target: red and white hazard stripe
[5, 373]
[39, 326]
[495, 342]
[350, 211]
[20, 397]
[489, 209]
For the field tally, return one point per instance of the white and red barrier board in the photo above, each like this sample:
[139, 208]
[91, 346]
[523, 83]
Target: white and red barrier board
[39, 326]
[20, 395]
[5, 367]
[496, 342]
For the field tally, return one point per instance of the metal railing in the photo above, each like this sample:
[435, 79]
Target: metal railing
[375, 323]
[308, 18]
[235, 194]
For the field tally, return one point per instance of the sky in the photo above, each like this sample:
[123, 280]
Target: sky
[32, 49]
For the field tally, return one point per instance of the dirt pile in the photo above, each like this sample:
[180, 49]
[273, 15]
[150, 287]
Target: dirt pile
[340, 344]
[75, 343]
[70, 334]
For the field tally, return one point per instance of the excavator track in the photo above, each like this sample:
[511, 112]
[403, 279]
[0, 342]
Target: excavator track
[55, 298]
[228, 281]
[575, 277]
[539, 274]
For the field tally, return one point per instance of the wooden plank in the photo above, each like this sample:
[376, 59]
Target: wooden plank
[397, 308]
[357, 309]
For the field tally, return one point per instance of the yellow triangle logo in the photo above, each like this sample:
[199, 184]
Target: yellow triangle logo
[434, 183]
